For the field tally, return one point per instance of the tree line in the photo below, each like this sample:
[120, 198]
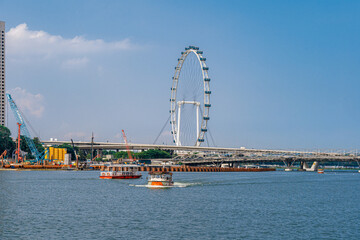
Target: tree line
[148, 154]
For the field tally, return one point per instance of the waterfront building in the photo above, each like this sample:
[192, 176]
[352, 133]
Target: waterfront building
[2, 73]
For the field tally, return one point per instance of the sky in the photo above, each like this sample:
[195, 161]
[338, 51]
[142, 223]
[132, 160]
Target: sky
[284, 74]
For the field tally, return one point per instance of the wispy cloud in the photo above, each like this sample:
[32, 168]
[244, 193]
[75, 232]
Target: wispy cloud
[21, 40]
[28, 102]
[24, 44]
[76, 135]
[75, 63]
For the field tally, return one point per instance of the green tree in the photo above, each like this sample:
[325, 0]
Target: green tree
[82, 155]
[70, 149]
[38, 145]
[121, 154]
[24, 146]
[149, 154]
[106, 152]
[153, 154]
[6, 142]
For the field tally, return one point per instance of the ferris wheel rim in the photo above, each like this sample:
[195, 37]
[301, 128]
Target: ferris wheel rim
[206, 95]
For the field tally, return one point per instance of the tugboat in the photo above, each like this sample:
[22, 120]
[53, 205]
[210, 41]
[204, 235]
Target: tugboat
[120, 171]
[162, 178]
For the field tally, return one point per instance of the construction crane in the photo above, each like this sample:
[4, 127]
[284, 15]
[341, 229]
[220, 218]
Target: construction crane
[127, 146]
[2, 156]
[18, 151]
[76, 156]
[24, 131]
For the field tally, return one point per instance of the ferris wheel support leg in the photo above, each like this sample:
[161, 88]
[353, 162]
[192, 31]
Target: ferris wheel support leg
[178, 130]
[197, 122]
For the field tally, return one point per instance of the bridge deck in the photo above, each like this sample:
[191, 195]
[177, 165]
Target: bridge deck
[236, 154]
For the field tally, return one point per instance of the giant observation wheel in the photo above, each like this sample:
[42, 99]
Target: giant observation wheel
[190, 99]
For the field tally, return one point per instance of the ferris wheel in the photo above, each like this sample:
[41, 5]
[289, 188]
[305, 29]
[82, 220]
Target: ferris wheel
[190, 99]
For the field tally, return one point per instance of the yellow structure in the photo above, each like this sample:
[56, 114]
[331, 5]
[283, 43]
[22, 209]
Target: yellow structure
[56, 154]
[47, 155]
[51, 153]
[61, 157]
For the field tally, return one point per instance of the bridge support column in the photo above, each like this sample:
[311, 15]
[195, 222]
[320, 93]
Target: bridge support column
[304, 166]
[99, 153]
[288, 164]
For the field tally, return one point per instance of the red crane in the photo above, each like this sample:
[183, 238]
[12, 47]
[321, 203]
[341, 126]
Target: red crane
[127, 146]
[18, 151]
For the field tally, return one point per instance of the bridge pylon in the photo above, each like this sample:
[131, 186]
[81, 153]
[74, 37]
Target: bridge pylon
[304, 166]
[288, 164]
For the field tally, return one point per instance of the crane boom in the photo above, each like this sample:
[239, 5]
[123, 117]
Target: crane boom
[127, 146]
[2, 156]
[24, 130]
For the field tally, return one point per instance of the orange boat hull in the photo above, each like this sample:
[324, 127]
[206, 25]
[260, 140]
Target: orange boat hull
[157, 184]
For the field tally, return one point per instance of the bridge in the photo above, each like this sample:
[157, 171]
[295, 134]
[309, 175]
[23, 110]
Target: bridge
[135, 146]
[193, 155]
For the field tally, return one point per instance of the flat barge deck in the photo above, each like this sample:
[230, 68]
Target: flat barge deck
[23, 167]
[201, 169]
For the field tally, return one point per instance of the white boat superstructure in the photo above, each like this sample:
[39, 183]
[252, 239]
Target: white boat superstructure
[160, 178]
[120, 171]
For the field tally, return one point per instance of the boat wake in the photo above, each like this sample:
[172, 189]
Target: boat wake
[176, 185]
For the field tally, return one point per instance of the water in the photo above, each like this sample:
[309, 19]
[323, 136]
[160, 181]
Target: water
[239, 205]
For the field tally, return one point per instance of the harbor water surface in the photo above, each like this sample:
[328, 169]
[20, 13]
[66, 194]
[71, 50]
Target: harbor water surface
[240, 205]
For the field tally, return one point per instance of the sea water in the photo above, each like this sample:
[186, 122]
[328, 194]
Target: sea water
[202, 205]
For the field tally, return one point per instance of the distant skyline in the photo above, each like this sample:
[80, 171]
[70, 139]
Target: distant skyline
[284, 75]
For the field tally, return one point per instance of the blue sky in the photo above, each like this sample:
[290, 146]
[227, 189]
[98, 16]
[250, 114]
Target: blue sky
[285, 74]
